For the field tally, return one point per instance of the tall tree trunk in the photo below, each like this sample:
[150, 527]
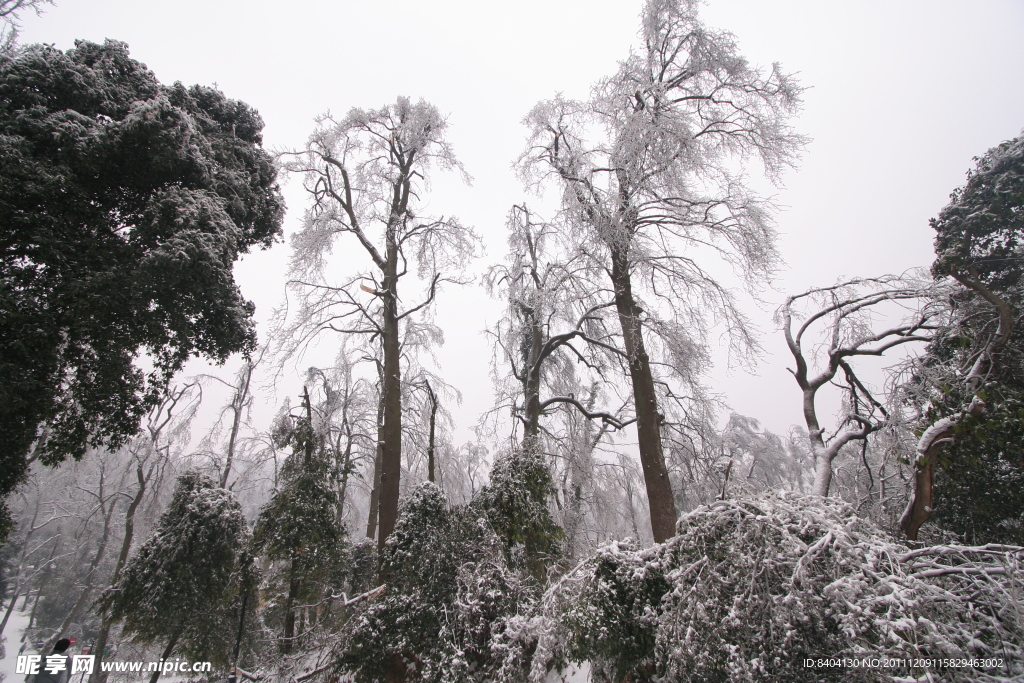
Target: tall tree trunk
[308, 446]
[430, 439]
[374, 514]
[531, 378]
[10, 609]
[346, 464]
[97, 675]
[237, 407]
[648, 418]
[165, 656]
[391, 391]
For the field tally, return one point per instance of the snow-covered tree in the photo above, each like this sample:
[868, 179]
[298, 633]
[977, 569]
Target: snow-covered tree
[649, 173]
[124, 204]
[180, 587]
[828, 328]
[515, 502]
[366, 175]
[750, 588]
[449, 597]
[970, 384]
[300, 525]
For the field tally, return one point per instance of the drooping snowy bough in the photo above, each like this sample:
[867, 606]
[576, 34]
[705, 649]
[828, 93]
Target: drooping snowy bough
[749, 589]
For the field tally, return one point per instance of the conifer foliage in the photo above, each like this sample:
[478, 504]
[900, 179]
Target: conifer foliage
[298, 526]
[180, 588]
[448, 601]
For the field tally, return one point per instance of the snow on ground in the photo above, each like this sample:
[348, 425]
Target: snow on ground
[12, 643]
[572, 674]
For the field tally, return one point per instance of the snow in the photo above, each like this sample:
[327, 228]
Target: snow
[12, 643]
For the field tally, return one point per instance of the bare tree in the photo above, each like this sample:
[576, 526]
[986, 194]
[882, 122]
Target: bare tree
[9, 25]
[365, 175]
[648, 172]
[837, 327]
[555, 322]
[345, 418]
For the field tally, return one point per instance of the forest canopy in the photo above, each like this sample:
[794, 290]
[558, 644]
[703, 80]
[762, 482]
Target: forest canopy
[322, 510]
[123, 205]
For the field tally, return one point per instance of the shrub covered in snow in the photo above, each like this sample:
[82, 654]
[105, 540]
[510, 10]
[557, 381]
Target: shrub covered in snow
[515, 503]
[748, 589]
[448, 595]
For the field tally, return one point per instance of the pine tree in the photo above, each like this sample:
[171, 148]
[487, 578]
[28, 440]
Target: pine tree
[299, 524]
[179, 588]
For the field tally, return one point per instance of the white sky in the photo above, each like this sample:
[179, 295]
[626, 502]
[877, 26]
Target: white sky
[902, 96]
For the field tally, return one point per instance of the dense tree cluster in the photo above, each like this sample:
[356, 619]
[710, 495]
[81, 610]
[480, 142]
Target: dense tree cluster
[123, 204]
[545, 541]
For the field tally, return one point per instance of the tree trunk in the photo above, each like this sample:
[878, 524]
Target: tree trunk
[294, 584]
[919, 509]
[430, 438]
[97, 675]
[648, 418]
[531, 383]
[83, 597]
[10, 609]
[374, 513]
[166, 655]
[395, 671]
[237, 407]
[346, 463]
[391, 392]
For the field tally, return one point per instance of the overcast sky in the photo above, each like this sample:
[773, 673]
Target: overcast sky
[901, 96]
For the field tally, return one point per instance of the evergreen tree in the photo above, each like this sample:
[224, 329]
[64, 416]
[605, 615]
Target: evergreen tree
[449, 600]
[971, 379]
[299, 524]
[124, 204]
[516, 505]
[180, 587]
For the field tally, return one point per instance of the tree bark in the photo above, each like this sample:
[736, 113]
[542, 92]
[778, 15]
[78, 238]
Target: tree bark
[237, 407]
[294, 584]
[374, 514]
[97, 675]
[531, 382]
[391, 391]
[346, 463]
[166, 655]
[430, 439]
[648, 418]
[919, 509]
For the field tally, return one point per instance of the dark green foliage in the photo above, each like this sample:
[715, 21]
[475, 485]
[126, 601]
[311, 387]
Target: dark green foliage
[516, 504]
[299, 519]
[449, 597]
[185, 580]
[982, 228]
[124, 204]
[980, 238]
[980, 487]
[299, 526]
[620, 625]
